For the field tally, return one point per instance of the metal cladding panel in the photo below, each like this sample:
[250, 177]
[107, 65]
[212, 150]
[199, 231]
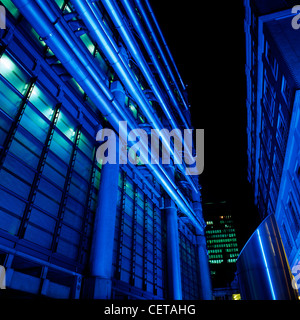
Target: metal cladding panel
[262, 267]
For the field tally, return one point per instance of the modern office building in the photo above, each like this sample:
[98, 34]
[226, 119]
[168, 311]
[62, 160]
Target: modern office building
[222, 243]
[71, 227]
[273, 83]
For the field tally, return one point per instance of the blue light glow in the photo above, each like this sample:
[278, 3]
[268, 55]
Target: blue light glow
[266, 264]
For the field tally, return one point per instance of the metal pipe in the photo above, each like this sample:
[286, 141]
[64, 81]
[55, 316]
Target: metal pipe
[131, 44]
[82, 54]
[140, 30]
[160, 50]
[165, 43]
[108, 46]
[31, 11]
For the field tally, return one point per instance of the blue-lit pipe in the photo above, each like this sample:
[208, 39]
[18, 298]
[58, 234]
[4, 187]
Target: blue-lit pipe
[84, 56]
[142, 34]
[173, 258]
[138, 56]
[98, 30]
[164, 43]
[161, 52]
[30, 10]
[131, 44]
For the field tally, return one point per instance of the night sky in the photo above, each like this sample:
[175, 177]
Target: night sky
[208, 45]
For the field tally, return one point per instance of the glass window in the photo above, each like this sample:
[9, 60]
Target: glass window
[11, 211]
[26, 147]
[42, 101]
[68, 242]
[88, 43]
[83, 166]
[49, 204]
[286, 91]
[14, 74]
[13, 183]
[39, 236]
[42, 220]
[35, 124]
[61, 147]
[48, 195]
[86, 145]
[66, 125]
[74, 213]
[10, 101]
[19, 168]
[55, 170]
[78, 188]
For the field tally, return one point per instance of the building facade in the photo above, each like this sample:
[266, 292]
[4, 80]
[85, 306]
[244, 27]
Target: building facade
[222, 243]
[272, 70]
[70, 226]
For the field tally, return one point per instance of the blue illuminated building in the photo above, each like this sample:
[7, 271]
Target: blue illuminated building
[273, 83]
[70, 227]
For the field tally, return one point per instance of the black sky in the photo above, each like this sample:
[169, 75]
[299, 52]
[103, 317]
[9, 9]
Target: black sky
[208, 45]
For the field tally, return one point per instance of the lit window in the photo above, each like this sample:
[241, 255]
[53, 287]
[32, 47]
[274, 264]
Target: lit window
[286, 91]
[15, 75]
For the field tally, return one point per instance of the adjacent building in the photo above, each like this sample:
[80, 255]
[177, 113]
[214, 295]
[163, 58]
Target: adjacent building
[273, 83]
[222, 246]
[71, 227]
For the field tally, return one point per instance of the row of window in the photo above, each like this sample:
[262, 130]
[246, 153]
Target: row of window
[216, 256]
[221, 245]
[215, 231]
[221, 250]
[221, 235]
[220, 240]
[219, 261]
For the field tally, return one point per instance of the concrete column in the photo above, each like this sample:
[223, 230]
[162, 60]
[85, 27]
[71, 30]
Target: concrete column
[205, 279]
[173, 258]
[103, 236]
[100, 283]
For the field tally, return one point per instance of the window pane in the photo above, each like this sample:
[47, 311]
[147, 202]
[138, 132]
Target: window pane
[34, 124]
[83, 166]
[11, 182]
[66, 125]
[15, 75]
[48, 195]
[10, 101]
[26, 147]
[42, 101]
[78, 188]
[5, 124]
[86, 146]
[61, 147]
[19, 169]
[11, 211]
[55, 169]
